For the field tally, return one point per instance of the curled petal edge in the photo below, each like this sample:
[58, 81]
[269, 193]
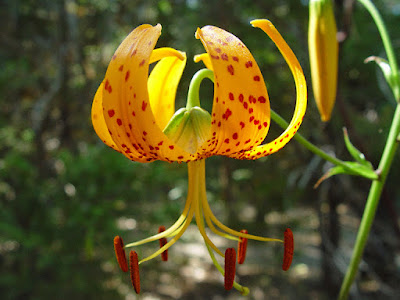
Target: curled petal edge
[301, 93]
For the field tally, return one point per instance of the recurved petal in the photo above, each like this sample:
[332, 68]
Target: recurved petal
[301, 94]
[205, 58]
[98, 122]
[127, 110]
[241, 113]
[163, 82]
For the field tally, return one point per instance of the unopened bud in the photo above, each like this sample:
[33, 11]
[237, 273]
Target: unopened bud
[323, 51]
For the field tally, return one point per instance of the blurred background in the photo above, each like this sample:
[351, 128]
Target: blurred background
[64, 195]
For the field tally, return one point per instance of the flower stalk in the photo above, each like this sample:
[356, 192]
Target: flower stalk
[385, 163]
[350, 168]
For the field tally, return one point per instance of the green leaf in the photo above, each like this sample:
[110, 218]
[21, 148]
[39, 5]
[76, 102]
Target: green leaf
[355, 153]
[352, 168]
[391, 78]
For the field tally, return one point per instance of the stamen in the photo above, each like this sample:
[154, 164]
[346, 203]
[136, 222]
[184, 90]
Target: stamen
[170, 231]
[134, 269]
[163, 242]
[120, 253]
[207, 210]
[179, 233]
[230, 268]
[242, 247]
[288, 251]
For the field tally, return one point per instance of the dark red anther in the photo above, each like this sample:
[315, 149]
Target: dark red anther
[288, 251]
[163, 241]
[242, 247]
[134, 269]
[120, 253]
[230, 268]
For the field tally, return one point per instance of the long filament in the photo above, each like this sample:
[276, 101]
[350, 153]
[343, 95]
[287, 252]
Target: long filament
[198, 168]
[177, 237]
[171, 230]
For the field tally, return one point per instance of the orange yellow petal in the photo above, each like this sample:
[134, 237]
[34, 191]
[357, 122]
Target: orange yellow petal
[301, 93]
[99, 124]
[163, 82]
[127, 110]
[241, 112]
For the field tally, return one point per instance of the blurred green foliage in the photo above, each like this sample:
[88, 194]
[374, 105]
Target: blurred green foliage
[62, 191]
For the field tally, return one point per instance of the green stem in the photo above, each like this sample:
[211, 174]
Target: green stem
[194, 87]
[302, 140]
[372, 203]
[386, 43]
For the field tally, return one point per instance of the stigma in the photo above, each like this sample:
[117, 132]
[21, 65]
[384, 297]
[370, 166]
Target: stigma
[198, 209]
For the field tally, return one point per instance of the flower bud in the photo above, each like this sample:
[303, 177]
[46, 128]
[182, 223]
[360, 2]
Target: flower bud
[323, 50]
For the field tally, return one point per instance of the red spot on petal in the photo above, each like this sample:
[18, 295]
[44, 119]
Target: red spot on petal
[265, 124]
[235, 58]
[251, 119]
[142, 63]
[235, 136]
[241, 97]
[121, 67]
[111, 113]
[231, 97]
[127, 75]
[171, 147]
[227, 114]
[256, 78]
[144, 105]
[231, 70]
[226, 141]
[224, 56]
[249, 64]
[241, 124]
[119, 122]
[144, 133]
[262, 99]
[107, 86]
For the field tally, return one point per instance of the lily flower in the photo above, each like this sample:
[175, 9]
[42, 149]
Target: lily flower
[134, 113]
